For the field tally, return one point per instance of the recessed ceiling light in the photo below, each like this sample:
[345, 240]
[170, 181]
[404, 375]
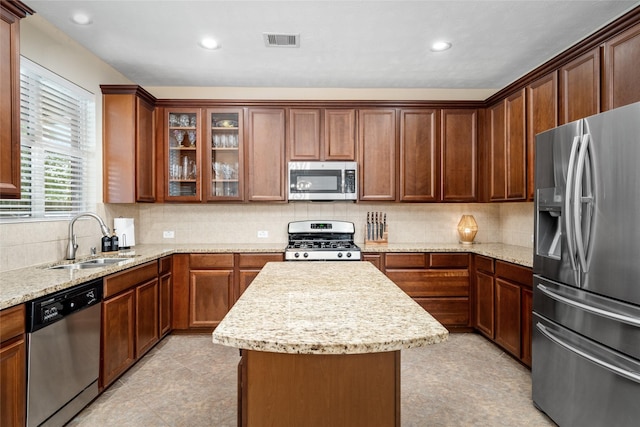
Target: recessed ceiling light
[209, 43]
[81, 18]
[440, 46]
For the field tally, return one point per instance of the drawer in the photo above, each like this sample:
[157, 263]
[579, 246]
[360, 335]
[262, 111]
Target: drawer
[431, 283]
[207, 261]
[12, 322]
[164, 265]
[448, 260]
[405, 260]
[514, 273]
[448, 311]
[258, 260]
[485, 264]
[126, 279]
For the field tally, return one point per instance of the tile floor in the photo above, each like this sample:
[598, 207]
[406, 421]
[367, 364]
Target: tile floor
[188, 381]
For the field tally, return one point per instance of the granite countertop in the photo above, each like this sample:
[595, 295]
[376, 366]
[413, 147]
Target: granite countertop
[326, 308]
[24, 284]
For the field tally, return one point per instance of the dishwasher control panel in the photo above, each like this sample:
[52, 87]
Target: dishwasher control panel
[49, 309]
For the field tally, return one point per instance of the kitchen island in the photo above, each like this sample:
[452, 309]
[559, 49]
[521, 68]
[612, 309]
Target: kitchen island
[321, 344]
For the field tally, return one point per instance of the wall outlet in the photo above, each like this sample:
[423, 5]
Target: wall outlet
[168, 234]
[263, 234]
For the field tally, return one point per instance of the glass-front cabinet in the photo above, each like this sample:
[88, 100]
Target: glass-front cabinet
[224, 155]
[184, 159]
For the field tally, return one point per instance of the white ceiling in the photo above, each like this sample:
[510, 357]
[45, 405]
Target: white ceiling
[343, 44]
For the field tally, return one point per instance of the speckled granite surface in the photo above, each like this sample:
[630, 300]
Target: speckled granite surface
[21, 285]
[326, 308]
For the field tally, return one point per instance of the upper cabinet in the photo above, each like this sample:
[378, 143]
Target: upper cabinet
[459, 153]
[224, 160]
[183, 159]
[317, 134]
[621, 65]
[419, 155]
[580, 87]
[10, 14]
[507, 149]
[377, 154]
[128, 144]
[265, 155]
[542, 114]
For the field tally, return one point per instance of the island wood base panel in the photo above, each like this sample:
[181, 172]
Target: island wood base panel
[350, 390]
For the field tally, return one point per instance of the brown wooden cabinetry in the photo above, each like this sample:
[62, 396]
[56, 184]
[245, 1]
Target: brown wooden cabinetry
[130, 321]
[507, 310]
[542, 114]
[249, 265]
[377, 154]
[419, 155]
[621, 65]
[580, 87]
[459, 153]
[13, 373]
[183, 146]
[321, 134]
[165, 284]
[265, 155]
[375, 259]
[484, 295]
[210, 289]
[223, 166]
[128, 144]
[439, 282]
[10, 15]
[507, 149]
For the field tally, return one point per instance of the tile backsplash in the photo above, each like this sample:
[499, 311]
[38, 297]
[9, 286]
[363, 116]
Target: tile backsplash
[24, 244]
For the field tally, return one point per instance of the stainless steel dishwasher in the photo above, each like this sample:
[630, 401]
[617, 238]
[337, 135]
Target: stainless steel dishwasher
[63, 347]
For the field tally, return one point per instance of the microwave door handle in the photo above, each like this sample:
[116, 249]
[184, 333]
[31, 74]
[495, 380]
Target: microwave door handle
[578, 201]
[567, 202]
[632, 376]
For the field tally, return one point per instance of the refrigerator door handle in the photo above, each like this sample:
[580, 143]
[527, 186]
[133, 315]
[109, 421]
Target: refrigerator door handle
[578, 200]
[632, 376]
[569, 227]
[589, 308]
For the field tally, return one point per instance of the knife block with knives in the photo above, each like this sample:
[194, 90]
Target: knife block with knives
[376, 230]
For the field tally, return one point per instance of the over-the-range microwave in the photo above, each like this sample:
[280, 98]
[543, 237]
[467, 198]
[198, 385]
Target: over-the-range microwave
[323, 180]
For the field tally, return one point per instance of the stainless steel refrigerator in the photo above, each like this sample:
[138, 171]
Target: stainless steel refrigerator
[586, 301]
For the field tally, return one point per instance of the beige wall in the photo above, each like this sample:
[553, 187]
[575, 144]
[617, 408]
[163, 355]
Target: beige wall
[24, 244]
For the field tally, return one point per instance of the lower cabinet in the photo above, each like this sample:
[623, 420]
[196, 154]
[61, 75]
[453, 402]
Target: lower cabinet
[13, 368]
[130, 320]
[165, 282]
[503, 304]
[249, 265]
[206, 285]
[439, 282]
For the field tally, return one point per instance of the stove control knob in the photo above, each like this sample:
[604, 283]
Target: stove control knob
[348, 254]
[306, 254]
[339, 254]
[297, 255]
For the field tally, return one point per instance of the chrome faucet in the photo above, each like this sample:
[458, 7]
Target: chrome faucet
[72, 245]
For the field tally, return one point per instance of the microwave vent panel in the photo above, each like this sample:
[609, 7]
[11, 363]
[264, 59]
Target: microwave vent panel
[281, 40]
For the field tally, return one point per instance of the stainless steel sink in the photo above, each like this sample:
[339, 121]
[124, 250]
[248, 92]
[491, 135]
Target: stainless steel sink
[91, 263]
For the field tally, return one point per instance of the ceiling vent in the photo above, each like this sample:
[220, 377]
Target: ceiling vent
[281, 40]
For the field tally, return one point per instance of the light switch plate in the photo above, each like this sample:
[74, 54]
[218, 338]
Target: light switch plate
[168, 234]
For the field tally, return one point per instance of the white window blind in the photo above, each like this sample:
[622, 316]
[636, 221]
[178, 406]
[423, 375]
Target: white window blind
[57, 124]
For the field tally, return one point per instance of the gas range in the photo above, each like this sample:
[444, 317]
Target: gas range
[321, 241]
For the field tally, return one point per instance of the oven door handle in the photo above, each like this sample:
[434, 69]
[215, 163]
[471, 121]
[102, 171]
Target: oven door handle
[632, 376]
[632, 321]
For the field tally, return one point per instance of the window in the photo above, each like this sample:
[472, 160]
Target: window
[57, 125]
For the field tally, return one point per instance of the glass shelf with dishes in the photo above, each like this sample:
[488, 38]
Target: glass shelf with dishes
[225, 154]
[183, 154]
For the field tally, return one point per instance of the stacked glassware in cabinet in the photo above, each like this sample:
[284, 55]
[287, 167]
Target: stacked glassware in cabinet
[225, 155]
[183, 154]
